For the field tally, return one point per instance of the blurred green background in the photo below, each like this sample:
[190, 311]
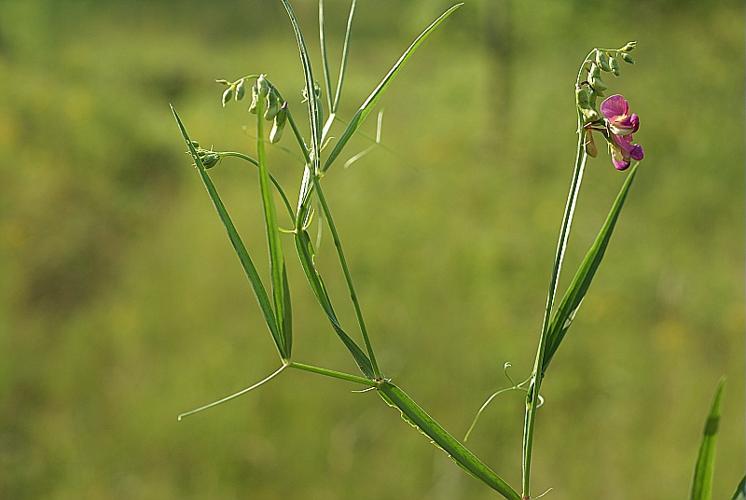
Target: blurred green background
[122, 304]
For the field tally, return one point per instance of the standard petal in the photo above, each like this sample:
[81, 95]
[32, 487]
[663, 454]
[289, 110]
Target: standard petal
[613, 106]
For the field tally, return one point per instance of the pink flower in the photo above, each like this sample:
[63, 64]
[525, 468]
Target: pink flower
[621, 125]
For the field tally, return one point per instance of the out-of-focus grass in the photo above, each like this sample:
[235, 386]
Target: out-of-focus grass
[111, 325]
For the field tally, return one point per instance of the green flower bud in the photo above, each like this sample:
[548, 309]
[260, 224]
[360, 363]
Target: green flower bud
[629, 47]
[210, 160]
[594, 72]
[603, 61]
[273, 105]
[598, 85]
[278, 125]
[589, 115]
[583, 97]
[614, 65]
[254, 99]
[593, 99]
[240, 89]
[628, 58]
[262, 86]
[227, 95]
[276, 133]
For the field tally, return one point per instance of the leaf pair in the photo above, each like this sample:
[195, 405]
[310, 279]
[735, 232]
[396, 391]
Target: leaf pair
[312, 171]
[369, 103]
[573, 298]
[281, 330]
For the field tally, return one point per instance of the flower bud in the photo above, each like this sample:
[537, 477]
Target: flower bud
[240, 89]
[614, 65]
[583, 97]
[273, 105]
[254, 99]
[603, 61]
[629, 47]
[589, 115]
[262, 86]
[594, 72]
[227, 95]
[210, 160]
[598, 85]
[628, 58]
[278, 125]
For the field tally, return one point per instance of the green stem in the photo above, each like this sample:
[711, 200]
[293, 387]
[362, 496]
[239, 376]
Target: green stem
[419, 418]
[348, 276]
[299, 137]
[532, 399]
[332, 373]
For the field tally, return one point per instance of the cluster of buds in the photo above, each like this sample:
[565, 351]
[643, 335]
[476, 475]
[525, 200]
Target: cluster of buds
[275, 107]
[234, 90]
[613, 121]
[209, 157]
[593, 87]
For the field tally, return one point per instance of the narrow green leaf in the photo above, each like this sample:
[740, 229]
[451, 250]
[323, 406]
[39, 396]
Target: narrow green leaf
[703, 472]
[324, 57]
[287, 313]
[345, 54]
[238, 246]
[314, 113]
[740, 493]
[280, 293]
[369, 103]
[327, 214]
[418, 418]
[565, 313]
[305, 254]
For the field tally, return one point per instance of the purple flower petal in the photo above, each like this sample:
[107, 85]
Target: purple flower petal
[613, 106]
[636, 153]
[634, 120]
[624, 143]
[620, 164]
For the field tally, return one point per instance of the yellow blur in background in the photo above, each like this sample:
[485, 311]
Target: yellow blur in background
[122, 304]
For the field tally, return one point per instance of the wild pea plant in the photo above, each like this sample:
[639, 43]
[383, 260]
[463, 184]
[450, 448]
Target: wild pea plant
[610, 120]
